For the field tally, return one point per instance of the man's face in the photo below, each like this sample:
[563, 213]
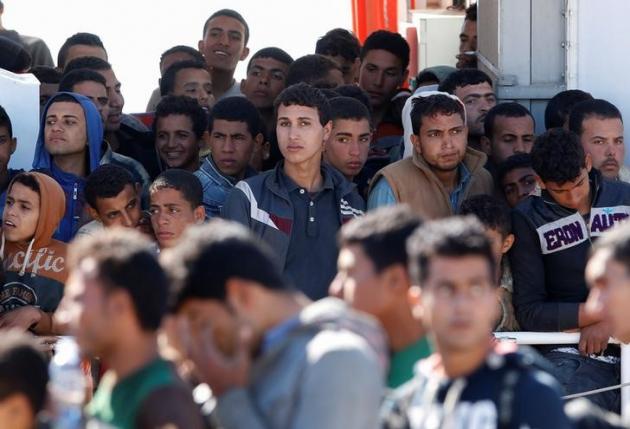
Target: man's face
[80, 51]
[176, 142]
[349, 68]
[7, 147]
[459, 302]
[64, 129]
[46, 91]
[223, 45]
[511, 136]
[122, 210]
[518, 184]
[266, 78]
[301, 136]
[232, 146]
[442, 141]
[97, 93]
[467, 44]
[195, 83]
[21, 213]
[116, 100]
[348, 146]
[603, 139]
[380, 75]
[572, 195]
[171, 214]
[478, 99]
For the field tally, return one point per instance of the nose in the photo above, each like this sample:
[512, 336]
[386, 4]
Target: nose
[203, 97]
[354, 149]
[228, 146]
[379, 80]
[115, 99]
[126, 220]
[519, 146]
[263, 79]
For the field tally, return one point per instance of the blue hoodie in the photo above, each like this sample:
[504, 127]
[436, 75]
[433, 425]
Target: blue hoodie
[72, 185]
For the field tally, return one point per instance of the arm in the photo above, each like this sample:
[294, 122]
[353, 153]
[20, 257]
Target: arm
[169, 407]
[381, 195]
[28, 317]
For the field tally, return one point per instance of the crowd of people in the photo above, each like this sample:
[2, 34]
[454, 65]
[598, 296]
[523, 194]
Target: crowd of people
[318, 245]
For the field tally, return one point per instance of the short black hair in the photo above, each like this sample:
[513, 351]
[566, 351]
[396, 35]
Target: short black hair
[106, 181]
[23, 369]
[587, 109]
[348, 108]
[303, 94]
[507, 110]
[271, 52]
[13, 55]
[5, 121]
[185, 50]
[356, 92]
[230, 14]
[339, 42]
[491, 212]
[90, 63]
[457, 236]
[167, 83]
[438, 104]
[237, 109]
[27, 179]
[471, 13]
[87, 39]
[558, 156]
[464, 77]
[382, 234]
[388, 41]
[74, 77]
[46, 74]
[209, 255]
[560, 106]
[182, 105]
[518, 160]
[310, 69]
[181, 180]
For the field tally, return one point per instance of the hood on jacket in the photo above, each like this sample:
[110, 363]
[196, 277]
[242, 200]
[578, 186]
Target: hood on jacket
[94, 130]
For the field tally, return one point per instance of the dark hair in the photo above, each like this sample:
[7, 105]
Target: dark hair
[451, 237]
[438, 104]
[463, 77]
[519, 160]
[237, 109]
[167, 83]
[507, 110]
[91, 63]
[348, 108]
[303, 94]
[356, 92]
[230, 14]
[23, 369]
[106, 181]
[560, 106]
[181, 180]
[471, 13]
[491, 212]
[74, 77]
[393, 43]
[5, 121]
[182, 105]
[310, 69]
[126, 260]
[271, 52]
[382, 235]
[27, 179]
[45, 74]
[209, 255]
[87, 39]
[339, 42]
[185, 50]
[13, 56]
[558, 156]
[584, 110]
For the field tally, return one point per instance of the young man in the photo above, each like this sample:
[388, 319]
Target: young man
[176, 203]
[48, 78]
[190, 78]
[468, 382]
[89, 83]
[316, 70]
[495, 218]
[298, 207]
[271, 359]
[474, 88]
[343, 47]
[372, 277]
[234, 138]
[443, 170]
[224, 44]
[516, 179]
[349, 142]
[8, 144]
[467, 57]
[114, 303]
[553, 234]
[599, 125]
[559, 107]
[80, 45]
[179, 125]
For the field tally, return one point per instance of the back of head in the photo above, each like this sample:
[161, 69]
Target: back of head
[560, 106]
[491, 212]
[13, 56]
[348, 108]
[90, 63]
[303, 94]
[356, 92]
[382, 234]
[182, 105]
[519, 160]
[183, 49]
[167, 83]
[507, 110]
[87, 39]
[230, 14]
[600, 109]
[558, 156]
[385, 40]
[74, 77]
[209, 255]
[237, 109]
[181, 180]
[5, 121]
[339, 42]
[273, 53]
[434, 104]
[45, 74]
[124, 259]
[463, 77]
[106, 181]
[310, 69]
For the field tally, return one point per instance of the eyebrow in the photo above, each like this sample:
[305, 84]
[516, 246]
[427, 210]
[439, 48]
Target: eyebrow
[63, 116]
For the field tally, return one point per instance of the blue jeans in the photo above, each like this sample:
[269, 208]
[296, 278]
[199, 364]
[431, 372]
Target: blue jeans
[577, 374]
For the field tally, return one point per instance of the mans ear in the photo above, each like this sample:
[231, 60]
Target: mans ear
[396, 279]
[508, 242]
[589, 162]
[199, 214]
[13, 145]
[245, 53]
[540, 182]
[327, 132]
[405, 77]
[414, 298]
[93, 213]
[236, 293]
[200, 46]
[486, 145]
[415, 141]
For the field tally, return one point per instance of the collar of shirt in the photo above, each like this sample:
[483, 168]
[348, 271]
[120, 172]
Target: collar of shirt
[290, 185]
[464, 178]
[279, 332]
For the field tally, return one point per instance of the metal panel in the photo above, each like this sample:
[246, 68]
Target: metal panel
[438, 38]
[548, 37]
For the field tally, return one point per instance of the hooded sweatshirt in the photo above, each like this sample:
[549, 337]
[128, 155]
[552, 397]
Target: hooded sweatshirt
[36, 270]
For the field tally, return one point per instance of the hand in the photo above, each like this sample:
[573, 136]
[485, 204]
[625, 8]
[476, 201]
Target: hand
[23, 318]
[594, 338]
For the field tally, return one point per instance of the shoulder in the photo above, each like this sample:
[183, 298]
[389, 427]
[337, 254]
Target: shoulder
[169, 405]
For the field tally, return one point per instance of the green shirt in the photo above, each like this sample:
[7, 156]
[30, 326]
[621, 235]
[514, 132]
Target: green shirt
[402, 362]
[116, 404]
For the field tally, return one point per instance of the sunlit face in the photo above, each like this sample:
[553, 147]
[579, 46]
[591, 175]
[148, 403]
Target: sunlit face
[21, 213]
[65, 129]
[176, 142]
[603, 140]
[572, 195]
[348, 146]
[518, 184]
[116, 100]
[478, 99]
[511, 136]
[223, 44]
[266, 78]
[232, 146]
[195, 83]
[380, 75]
[97, 93]
[442, 141]
[171, 214]
[301, 136]
[121, 210]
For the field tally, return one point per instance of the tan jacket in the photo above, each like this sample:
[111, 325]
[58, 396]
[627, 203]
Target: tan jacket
[413, 182]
